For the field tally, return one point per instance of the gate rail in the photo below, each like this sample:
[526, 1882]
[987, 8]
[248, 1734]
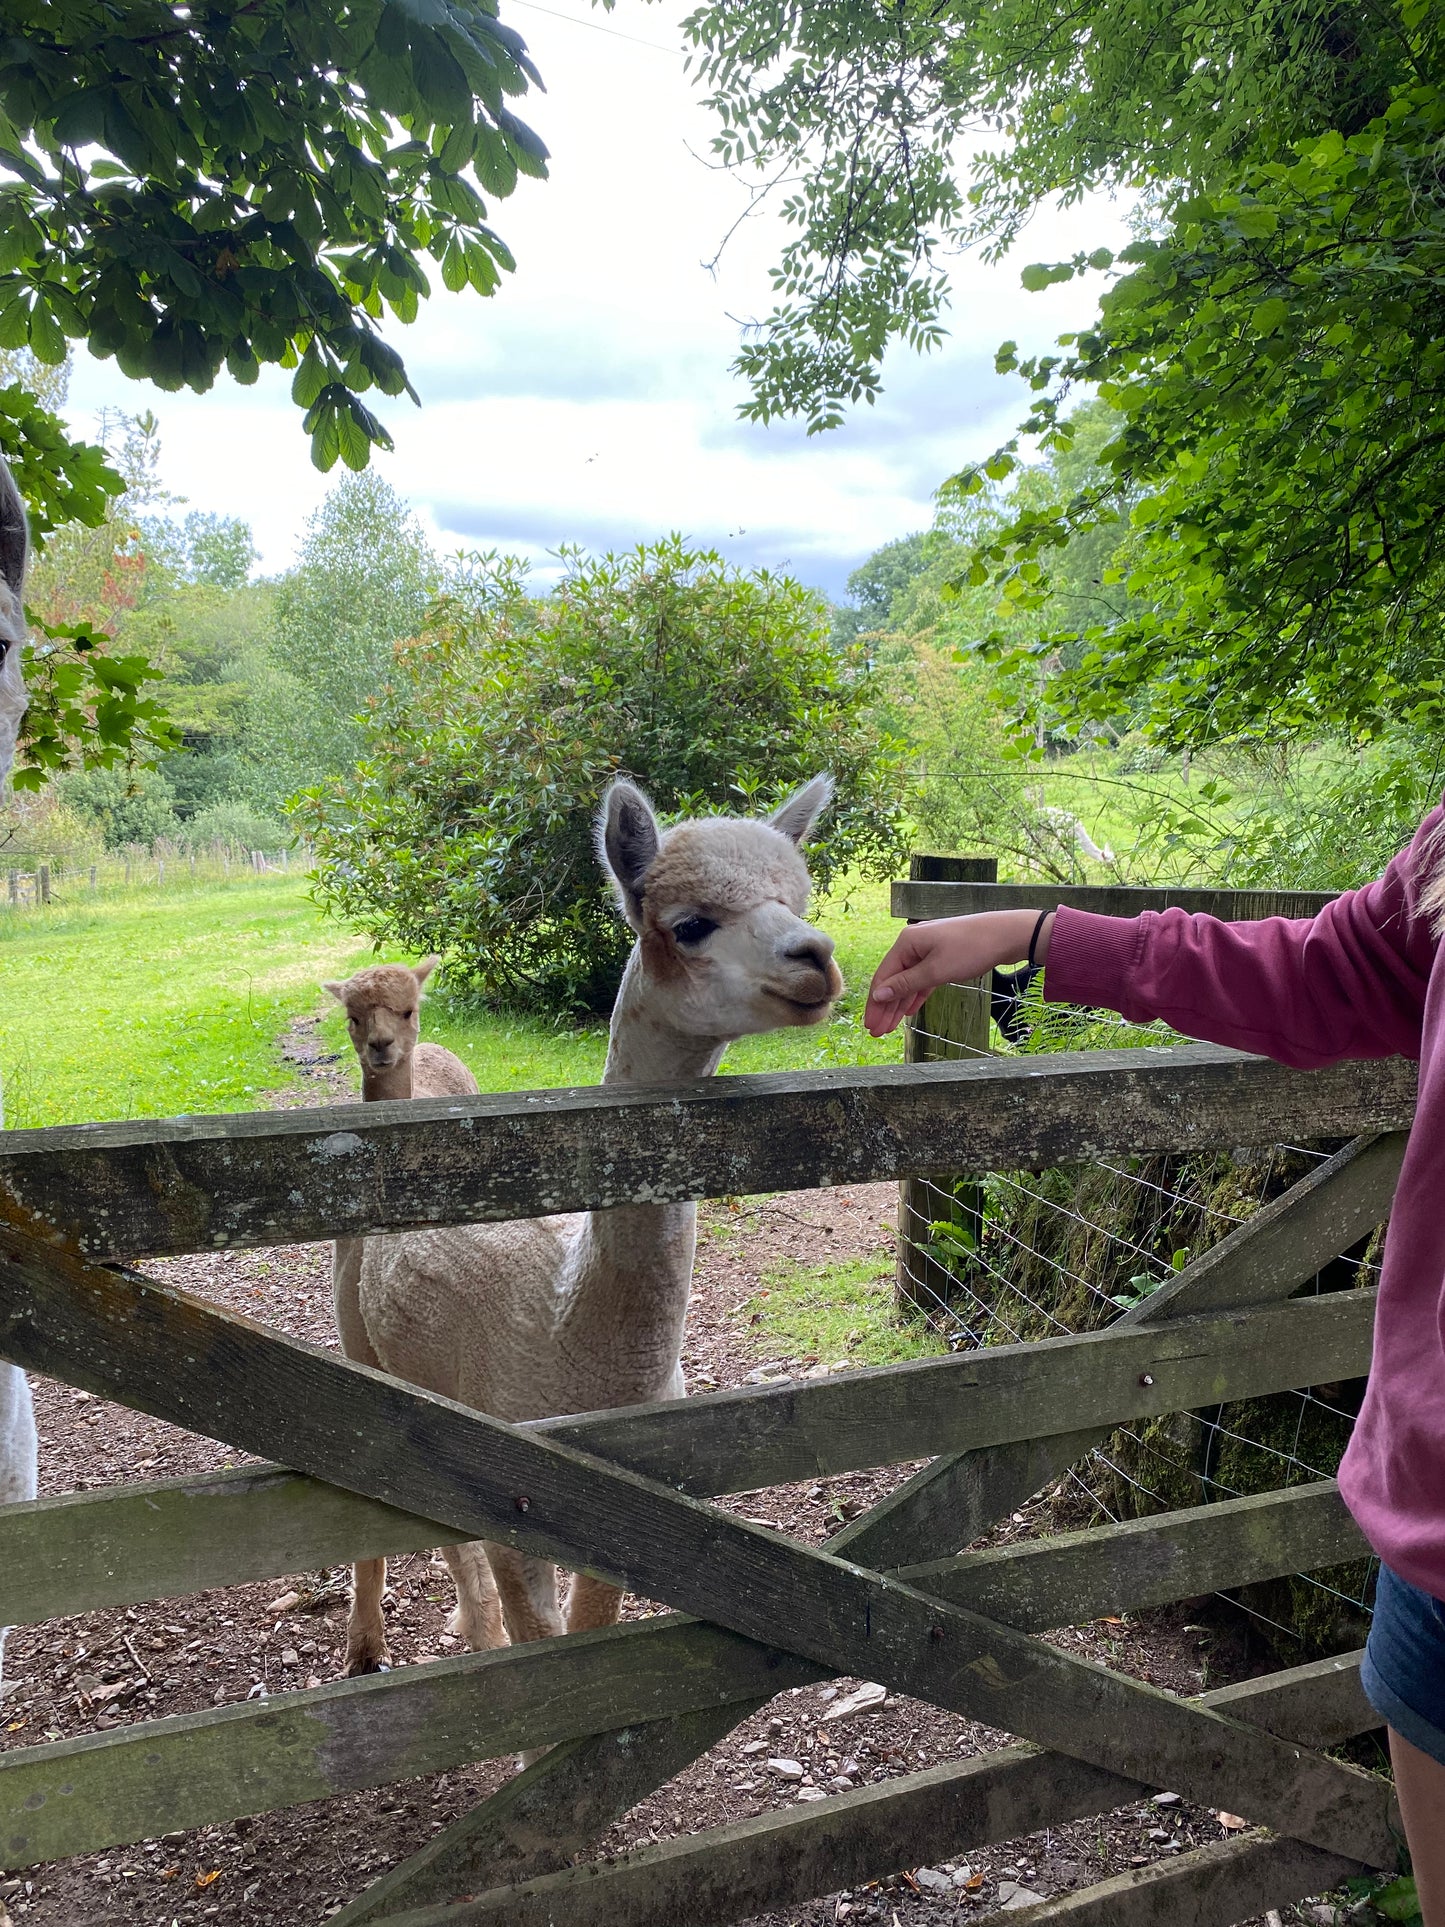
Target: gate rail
[380, 1466]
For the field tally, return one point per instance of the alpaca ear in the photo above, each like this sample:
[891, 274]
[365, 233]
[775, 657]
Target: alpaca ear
[627, 841]
[424, 969]
[801, 811]
[338, 991]
[14, 533]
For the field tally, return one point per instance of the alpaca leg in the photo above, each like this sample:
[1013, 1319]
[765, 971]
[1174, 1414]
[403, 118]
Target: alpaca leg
[592, 1603]
[529, 1594]
[346, 1256]
[366, 1648]
[478, 1615]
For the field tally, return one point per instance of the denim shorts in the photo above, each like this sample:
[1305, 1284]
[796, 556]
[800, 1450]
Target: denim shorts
[1404, 1667]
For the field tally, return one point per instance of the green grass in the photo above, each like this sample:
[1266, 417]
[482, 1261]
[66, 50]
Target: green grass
[158, 1003]
[836, 1311]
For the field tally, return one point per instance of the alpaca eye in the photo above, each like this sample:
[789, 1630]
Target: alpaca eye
[407, 1015]
[693, 929]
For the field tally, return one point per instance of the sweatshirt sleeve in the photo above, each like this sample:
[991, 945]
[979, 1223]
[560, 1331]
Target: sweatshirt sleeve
[1349, 982]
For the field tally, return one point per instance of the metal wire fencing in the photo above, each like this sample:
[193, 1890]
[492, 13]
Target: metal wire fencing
[31, 881]
[1004, 1257]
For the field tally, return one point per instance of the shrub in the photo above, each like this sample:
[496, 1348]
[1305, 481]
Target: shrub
[468, 829]
[236, 823]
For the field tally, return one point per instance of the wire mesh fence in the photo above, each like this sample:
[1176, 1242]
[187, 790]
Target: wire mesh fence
[1006, 1257]
[31, 881]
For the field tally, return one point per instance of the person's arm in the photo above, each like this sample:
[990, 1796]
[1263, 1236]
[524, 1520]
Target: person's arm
[949, 951]
[1349, 982]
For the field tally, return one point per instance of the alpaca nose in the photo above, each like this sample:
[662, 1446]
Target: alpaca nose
[814, 949]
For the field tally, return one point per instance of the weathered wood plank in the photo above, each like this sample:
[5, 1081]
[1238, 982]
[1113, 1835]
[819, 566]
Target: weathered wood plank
[105, 1789]
[1282, 1246]
[781, 1859]
[922, 901]
[168, 1537]
[737, 1441]
[309, 1744]
[174, 1536]
[585, 1787]
[212, 1372]
[539, 1820]
[1211, 1886]
[953, 1023]
[1076, 1576]
[119, 1545]
[492, 1845]
[192, 1184]
[564, 1802]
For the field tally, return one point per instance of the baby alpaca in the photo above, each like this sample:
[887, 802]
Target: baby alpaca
[382, 1004]
[575, 1313]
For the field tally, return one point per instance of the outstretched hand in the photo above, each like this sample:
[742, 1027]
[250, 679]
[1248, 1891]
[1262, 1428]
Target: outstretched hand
[951, 951]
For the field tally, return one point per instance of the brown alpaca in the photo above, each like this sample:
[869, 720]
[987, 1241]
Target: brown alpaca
[382, 1006]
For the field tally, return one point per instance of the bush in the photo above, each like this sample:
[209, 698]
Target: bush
[468, 829]
[234, 823]
[126, 806]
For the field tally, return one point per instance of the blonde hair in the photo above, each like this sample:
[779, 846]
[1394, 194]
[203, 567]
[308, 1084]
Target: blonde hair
[1430, 903]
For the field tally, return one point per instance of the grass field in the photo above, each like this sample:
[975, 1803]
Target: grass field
[158, 1003]
[161, 1003]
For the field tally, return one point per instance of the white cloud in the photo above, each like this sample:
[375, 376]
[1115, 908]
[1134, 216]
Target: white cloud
[590, 400]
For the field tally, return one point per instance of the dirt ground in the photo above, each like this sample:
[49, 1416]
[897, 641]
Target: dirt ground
[292, 1868]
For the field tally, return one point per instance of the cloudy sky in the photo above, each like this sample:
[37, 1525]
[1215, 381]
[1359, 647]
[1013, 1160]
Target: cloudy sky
[590, 400]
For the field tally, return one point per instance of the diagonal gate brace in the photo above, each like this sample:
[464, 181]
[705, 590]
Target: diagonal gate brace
[165, 1353]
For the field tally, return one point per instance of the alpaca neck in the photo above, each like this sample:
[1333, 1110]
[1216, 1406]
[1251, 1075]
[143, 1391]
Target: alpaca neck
[629, 1289]
[643, 1049]
[376, 1086]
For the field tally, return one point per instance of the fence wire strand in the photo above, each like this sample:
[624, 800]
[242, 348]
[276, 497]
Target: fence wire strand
[1012, 1256]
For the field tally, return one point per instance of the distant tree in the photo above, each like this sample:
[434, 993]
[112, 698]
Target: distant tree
[209, 551]
[91, 701]
[468, 826]
[362, 583]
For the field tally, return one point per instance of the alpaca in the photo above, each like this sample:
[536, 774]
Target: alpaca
[382, 1004]
[573, 1313]
[18, 1458]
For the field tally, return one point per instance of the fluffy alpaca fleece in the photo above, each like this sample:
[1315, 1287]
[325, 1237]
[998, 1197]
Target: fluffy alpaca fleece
[574, 1313]
[18, 1467]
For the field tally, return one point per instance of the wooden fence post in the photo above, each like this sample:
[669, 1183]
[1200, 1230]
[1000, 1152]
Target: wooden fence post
[44, 883]
[953, 1023]
[15, 886]
[92, 878]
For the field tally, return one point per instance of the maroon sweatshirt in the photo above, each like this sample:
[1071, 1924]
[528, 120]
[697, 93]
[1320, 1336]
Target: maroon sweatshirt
[1358, 980]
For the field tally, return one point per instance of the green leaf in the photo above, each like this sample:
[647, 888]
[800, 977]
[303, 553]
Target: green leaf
[1268, 317]
[47, 337]
[309, 380]
[1399, 1900]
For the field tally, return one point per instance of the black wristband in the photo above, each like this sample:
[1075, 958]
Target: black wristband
[1044, 916]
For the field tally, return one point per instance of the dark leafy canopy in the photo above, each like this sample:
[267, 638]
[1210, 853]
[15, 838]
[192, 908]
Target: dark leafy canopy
[189, 188]
[870, 109]
[1275, 347]
[469, 828]
[1278, 363]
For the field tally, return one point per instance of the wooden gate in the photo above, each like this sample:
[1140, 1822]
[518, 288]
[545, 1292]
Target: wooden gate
[376, 1466]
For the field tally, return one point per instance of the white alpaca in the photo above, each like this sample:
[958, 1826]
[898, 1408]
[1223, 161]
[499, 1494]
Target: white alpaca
[18, 1467]
[575, 1313]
